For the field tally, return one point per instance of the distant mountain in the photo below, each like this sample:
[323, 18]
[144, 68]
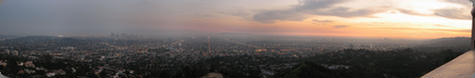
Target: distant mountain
[34, 38]
[454, 40]
[50, 42]
[4, 37]
[456, 43]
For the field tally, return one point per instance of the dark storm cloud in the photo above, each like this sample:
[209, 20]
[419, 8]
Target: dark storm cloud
[311, 7]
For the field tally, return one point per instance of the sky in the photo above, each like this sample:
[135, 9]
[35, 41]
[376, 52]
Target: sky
[409, 19]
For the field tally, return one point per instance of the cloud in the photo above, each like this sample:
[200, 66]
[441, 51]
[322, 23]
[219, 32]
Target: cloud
[271, 16]
[94, 16]
[410, 12]
[316, 4]
[461, 2]
[427, 29]
[321, 21]
[345, 12]
[456, 13]
[312, 7]
[439, 25]
[453, 13]
[340, 26]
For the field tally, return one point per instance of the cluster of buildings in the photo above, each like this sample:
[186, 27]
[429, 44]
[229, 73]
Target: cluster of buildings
[114, 55]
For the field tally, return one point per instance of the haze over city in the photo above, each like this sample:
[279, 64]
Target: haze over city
[408, 19]
[233, 38]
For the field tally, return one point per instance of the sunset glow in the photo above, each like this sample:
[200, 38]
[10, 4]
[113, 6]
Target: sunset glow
[412, 19]
[236, 38]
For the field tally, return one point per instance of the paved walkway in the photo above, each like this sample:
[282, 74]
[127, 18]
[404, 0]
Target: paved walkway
[461, 67]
